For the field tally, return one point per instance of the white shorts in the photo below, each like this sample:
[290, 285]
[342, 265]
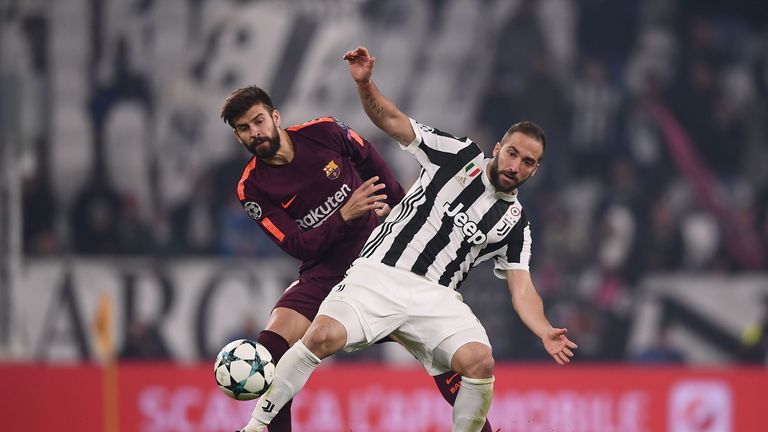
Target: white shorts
[430, 320]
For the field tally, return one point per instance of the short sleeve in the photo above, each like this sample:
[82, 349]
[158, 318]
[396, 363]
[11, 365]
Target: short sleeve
[517, 254]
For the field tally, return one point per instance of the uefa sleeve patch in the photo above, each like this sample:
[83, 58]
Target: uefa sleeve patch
[253, 210]
[427, 129]
[340, 123]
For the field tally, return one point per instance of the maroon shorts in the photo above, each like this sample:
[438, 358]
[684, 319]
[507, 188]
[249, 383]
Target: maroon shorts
[305, 295]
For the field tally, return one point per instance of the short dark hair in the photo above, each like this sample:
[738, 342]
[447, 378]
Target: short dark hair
[532, 130]
[241, 100]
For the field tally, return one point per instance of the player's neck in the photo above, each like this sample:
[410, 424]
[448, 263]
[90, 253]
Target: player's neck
[286, 152]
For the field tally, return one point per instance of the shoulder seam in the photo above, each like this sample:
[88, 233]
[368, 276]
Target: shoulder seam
[246, 173]
[311, 122]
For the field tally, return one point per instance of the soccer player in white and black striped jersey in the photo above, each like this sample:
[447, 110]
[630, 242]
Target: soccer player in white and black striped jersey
[462, 210]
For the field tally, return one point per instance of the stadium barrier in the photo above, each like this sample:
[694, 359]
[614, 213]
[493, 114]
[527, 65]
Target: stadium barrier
[165, 397]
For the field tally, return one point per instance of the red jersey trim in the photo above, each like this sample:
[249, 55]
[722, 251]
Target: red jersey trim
[356, 137]
[241, 184]
[275, 231]
[310, 123]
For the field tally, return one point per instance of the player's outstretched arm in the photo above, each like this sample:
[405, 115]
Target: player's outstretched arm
[382, 112]
[529, 306]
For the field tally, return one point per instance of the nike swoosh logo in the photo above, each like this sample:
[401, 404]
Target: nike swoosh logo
[286, 204]
[448, 380]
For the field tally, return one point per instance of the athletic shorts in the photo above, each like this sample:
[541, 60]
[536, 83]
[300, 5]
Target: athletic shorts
[305, 295]
[430, 320]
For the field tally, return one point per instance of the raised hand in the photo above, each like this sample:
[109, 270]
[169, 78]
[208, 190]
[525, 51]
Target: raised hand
[360, 64]
[363, 200]
[558, 345]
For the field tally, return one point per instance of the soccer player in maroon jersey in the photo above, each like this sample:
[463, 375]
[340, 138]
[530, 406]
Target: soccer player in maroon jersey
[317, 190]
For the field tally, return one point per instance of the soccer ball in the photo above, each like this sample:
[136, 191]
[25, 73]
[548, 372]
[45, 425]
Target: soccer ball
[244, 369]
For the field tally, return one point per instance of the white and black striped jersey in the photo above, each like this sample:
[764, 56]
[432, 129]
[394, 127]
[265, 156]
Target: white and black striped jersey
[452, 218]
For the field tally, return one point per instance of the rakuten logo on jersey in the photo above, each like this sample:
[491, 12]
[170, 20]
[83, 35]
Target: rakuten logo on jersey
[468, 228]
[320, 214]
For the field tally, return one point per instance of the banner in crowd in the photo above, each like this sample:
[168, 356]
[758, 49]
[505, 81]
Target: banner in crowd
[164, 397]
[193, 307]
[190, 307]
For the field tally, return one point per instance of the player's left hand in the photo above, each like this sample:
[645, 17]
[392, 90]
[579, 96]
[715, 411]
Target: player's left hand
[558, 345]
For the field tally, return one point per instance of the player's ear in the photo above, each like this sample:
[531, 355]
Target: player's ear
[276, 117]
[496, 149]
[533, 173]
[237, 136]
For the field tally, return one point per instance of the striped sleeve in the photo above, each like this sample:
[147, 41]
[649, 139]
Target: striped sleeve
[517, 254]
[435, 149]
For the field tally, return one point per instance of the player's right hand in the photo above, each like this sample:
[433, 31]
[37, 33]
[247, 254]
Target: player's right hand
[360, 64]
[558, 345]
[363, 200]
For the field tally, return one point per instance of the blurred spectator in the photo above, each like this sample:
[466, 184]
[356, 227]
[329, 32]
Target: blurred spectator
[622, 213]
[662, 351]
[95, 218]
[646, 147]
[693, 101]
[599, 18]
[193, 222]
[595, 104]
[136, 236]
[143, 342]
[556, 249]
[698, 42]
[661, 247]
[761, 217]
[543, 101]
[124, 83]
[520, 40]
[40, 209]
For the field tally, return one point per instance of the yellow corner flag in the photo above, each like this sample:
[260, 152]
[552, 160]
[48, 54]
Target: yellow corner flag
[102, 326]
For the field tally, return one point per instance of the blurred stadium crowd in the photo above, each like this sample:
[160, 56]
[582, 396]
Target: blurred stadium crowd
[655, 112]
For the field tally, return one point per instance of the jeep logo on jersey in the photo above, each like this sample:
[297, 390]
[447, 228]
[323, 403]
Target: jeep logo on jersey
[332, 170]
[468, 228]
[253, 210]
[321, 213]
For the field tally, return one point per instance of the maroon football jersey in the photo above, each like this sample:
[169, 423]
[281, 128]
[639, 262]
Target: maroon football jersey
[297, 204]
